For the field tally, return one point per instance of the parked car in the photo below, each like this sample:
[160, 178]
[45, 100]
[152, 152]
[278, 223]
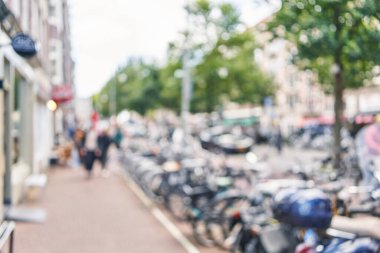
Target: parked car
[232, 144]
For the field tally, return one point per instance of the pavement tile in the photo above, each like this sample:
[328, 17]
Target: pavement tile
[92, 215]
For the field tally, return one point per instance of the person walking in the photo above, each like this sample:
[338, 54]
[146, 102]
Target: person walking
[91, 151]
[278, 140]
[79, 141]
[118, 137]
[103, 141]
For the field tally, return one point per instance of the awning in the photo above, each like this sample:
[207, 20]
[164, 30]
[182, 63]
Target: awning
[320, 120]
[249, 121]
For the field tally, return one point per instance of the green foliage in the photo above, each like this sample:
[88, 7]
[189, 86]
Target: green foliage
[170, 93]
[223, 67]
[137, 88]
[327, 32]
[337, 39]
[228, 73]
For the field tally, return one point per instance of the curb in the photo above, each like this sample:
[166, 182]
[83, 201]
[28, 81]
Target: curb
[160, 216]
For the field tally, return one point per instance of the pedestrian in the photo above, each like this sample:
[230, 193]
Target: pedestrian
[91, 150]
[104, 141]
[79, 141]
[278, 140]
[118, 137]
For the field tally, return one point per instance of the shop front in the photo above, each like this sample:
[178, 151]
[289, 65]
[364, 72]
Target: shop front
[20, 79]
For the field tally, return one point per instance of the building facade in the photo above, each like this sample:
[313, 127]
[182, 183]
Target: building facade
[363, 100]
[298, 94]
[26, 129]
[61, 62]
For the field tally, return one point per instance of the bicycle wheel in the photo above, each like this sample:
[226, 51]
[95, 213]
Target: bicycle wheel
[219, 223]
[237, 244]
[254, 245]
[243, 243]
[154, 184]
[199, 212]
[246, 243]
[178, 205]
[201, 233]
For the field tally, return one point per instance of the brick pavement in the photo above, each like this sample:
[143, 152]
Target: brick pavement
[92, 216]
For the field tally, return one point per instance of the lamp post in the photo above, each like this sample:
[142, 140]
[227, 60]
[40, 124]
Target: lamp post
[186, 94]
[121, 78]
[186, 83]
[112, 99]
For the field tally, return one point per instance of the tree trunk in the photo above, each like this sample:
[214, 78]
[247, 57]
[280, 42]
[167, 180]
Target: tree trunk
[338, 111]
[338, 88]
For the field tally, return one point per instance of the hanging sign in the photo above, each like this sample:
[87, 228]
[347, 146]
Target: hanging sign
[62, 94]
[24, 45]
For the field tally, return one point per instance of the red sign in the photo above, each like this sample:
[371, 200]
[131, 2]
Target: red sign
[62, 94]
[94, 119]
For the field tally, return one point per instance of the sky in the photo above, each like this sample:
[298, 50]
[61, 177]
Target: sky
[105, 34]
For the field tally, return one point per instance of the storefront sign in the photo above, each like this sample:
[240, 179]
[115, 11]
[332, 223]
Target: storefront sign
[62, 94]
[94, 119]
[24, 45]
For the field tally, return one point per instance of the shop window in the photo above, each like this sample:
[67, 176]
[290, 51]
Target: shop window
[51, 10]
[292, 101]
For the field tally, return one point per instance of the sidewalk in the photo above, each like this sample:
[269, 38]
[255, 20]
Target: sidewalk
[95, 215]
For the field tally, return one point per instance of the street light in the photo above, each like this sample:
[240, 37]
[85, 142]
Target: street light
[186, 94]
[51, 105]
[121, 78]
[186, 82]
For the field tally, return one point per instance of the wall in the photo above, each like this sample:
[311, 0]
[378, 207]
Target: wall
[298, 93]
[366, 99]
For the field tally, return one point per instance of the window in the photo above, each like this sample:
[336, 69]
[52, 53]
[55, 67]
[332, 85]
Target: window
[16, 119]
[292, 101]
[52, 10]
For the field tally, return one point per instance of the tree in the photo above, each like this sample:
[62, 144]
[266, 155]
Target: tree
[223, 56]
[170, 93]
[228, 72]
[337, 39]
[136, 87]
[225, 68]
